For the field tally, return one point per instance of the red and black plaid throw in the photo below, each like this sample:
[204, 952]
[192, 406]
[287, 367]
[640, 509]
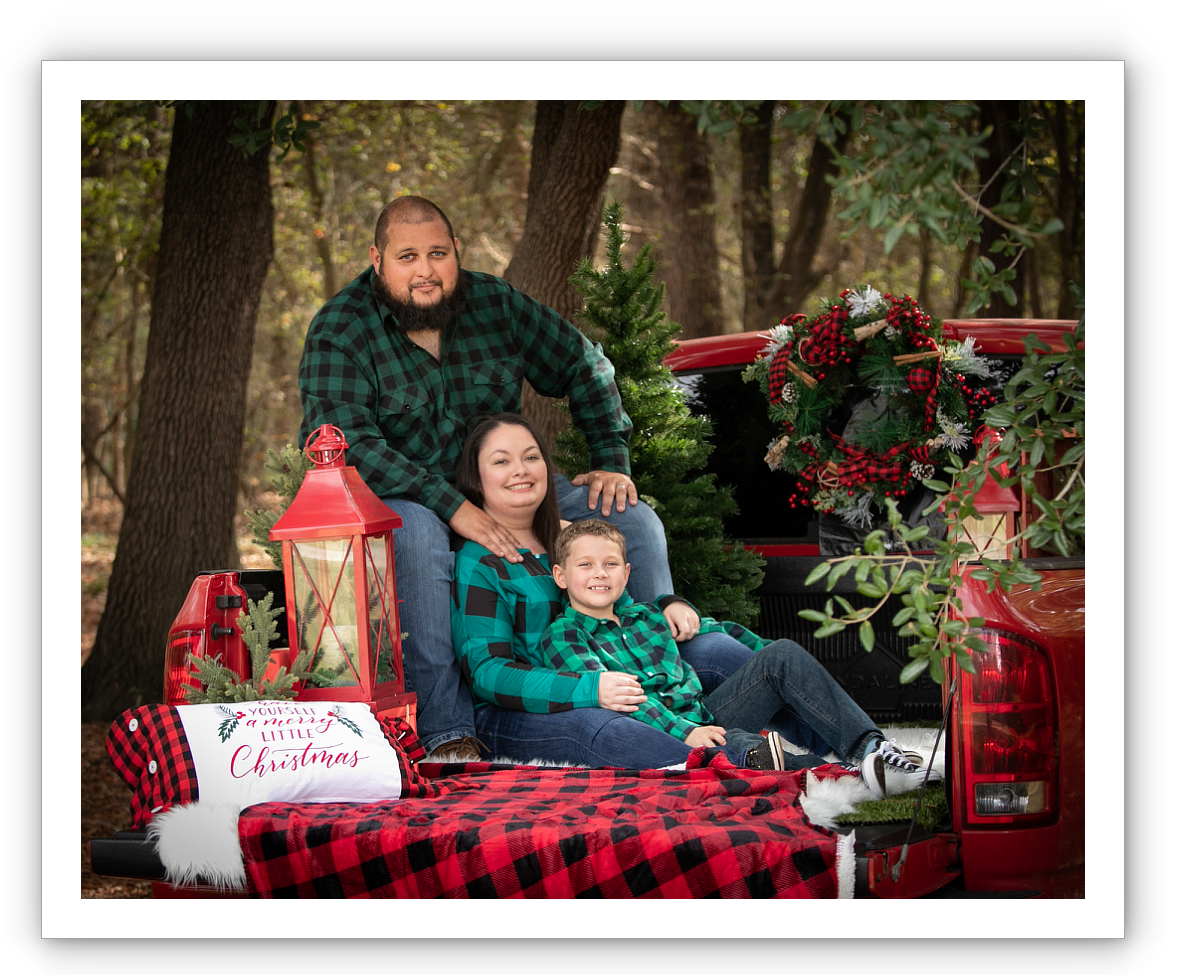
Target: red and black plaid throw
[150, 751]
[712, 831]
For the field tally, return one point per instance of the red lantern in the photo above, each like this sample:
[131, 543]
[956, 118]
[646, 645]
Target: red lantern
[992, 499]
[340, 584]
[992, 531]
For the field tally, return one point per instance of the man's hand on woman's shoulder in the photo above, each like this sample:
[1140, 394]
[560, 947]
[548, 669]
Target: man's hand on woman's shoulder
[607, 487]
[473, 523]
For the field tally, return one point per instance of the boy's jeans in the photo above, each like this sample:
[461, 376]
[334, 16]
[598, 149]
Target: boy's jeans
[759, 691]
[784, 679]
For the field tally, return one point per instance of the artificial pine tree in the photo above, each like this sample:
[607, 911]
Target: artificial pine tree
[286, 473]
[669, 445]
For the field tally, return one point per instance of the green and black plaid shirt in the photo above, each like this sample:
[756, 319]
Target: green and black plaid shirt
[499, 614]
[404, 413]
[640, 644]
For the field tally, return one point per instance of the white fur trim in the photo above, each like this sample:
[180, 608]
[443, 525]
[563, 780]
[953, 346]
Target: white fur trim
[846, 865]
[200, 841]
[826, 799]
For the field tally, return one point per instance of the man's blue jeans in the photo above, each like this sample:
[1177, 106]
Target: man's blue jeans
[424, 570]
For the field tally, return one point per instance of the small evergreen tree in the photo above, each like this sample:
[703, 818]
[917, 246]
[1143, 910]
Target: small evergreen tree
[285, 470]
[623, 309]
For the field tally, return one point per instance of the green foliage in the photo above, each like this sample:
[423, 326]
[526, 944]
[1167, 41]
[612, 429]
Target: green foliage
[122, 170]
[623, 308]
[223, 686]
[910, 168]
[255, 132]
[285, 470]
[1043, 421]
[289, 131]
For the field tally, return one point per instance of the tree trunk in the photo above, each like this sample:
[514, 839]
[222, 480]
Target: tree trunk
[758, 232]
[1066, 125]
[572, 153]
[961, 297]
[1000, 115]
[691, 270]
[925, 251]
[214, 249]
[797, 274]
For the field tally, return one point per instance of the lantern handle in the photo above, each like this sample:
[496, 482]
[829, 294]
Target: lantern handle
[326, 447]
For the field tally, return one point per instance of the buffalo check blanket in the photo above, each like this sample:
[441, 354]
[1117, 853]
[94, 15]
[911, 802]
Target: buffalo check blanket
[710, 830]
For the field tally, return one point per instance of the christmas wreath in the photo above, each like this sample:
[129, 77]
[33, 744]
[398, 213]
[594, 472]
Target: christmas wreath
[912, 399]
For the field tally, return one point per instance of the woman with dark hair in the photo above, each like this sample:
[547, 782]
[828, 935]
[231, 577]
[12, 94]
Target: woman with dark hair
[502, 607]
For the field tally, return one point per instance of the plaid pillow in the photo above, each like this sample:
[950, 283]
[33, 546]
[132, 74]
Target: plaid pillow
[149, 747]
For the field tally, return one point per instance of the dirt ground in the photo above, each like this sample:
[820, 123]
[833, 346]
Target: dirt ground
[104, 797]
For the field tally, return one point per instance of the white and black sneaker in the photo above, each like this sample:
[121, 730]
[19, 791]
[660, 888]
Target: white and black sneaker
[896, 758]
[905, 770]
[872, 772]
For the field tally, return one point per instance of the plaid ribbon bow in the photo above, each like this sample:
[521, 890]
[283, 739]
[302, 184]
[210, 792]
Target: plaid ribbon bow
[824, 346]
[862, 465]
[806, 479]
[924, 382]
[777, 373]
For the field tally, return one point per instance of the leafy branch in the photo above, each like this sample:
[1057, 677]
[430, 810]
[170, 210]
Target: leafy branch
[251, 135]
[1042, 417]
[289, 131]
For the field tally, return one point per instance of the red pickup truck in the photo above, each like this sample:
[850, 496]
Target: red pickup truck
[1014, 739]
[1014, 768]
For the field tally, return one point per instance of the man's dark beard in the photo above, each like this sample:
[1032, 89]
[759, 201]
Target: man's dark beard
[411, 317]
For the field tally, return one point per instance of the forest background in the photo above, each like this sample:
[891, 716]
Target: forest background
[473, 157]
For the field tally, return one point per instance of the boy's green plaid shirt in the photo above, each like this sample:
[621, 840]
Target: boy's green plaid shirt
[405, 414]
[640, 644]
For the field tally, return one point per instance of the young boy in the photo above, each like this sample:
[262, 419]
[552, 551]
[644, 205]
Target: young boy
[605, 630]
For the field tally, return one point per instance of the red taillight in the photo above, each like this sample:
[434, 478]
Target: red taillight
[1008, 726]
[177, 673]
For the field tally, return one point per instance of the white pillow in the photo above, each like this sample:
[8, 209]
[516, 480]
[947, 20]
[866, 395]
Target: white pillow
[290, 751]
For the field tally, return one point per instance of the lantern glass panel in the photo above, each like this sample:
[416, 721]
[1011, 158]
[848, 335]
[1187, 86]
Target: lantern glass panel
[381, 606]
[326, 615]
[989, 535]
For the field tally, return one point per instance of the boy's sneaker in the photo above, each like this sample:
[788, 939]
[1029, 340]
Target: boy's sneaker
[871, 770]
[896, 758]
[768, 755]
[905, 770]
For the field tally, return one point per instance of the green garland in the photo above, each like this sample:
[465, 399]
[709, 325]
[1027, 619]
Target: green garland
[924, 394]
